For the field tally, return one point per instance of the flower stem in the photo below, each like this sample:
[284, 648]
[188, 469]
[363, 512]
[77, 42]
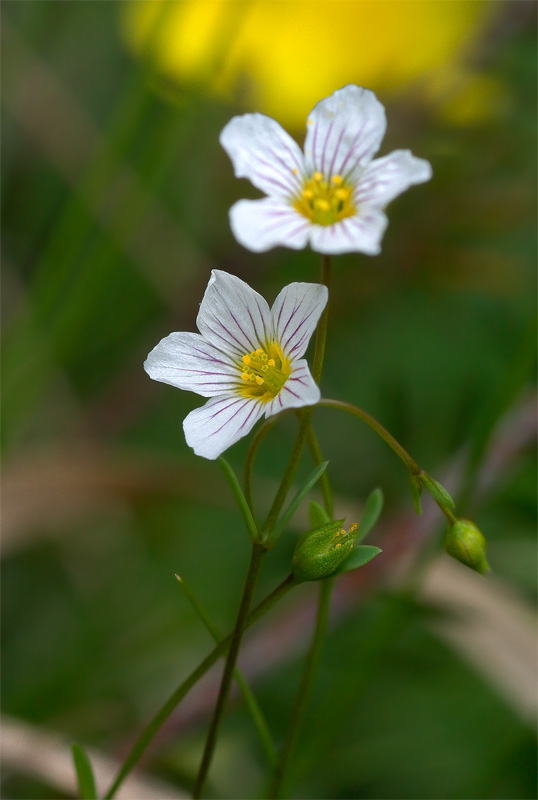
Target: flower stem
[175, 698]
[306, 414]
[305, 689]
[325, 588]
[258, 552]
[381, 431]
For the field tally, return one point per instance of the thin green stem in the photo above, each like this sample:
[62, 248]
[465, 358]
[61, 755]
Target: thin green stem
[324, 481]
[258, 552]
[305, 414]
[175, 698]
[402, 454]
[305, 689]
[316, 646]
[256, 713]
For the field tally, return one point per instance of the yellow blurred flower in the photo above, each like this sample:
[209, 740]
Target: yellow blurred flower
[281, 56]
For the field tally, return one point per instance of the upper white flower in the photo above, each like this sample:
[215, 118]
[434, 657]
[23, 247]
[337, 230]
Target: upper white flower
[246, 359]
[333, 195]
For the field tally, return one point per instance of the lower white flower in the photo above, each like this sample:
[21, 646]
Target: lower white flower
[246, 359]
[332, 196]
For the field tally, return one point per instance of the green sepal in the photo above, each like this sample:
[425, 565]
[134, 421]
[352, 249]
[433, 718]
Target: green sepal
[83, 768]
[438, 492]
[318, 515]
[466, 543]
[370, 514]
[359, 556]
[415, 485]
[320, 552]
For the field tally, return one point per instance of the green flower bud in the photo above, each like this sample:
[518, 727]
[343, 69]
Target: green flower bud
[319, 553]
[464, 541]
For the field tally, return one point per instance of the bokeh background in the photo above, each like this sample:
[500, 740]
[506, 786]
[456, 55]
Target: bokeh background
[115, 202]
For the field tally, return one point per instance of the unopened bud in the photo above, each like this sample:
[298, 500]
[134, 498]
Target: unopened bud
[319, 553]
[464, 541]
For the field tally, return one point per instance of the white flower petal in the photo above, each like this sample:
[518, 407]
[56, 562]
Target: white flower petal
[295, 313]
[343, 131]
[221, 422]
[359, 234]
[387, 177]
[188, 361]
[232, 316]
[260, 225]
[262, 151]
[299, 390]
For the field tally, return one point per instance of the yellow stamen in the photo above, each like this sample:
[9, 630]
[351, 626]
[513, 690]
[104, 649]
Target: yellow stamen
[342, 194]
[325, 202]
[266, 372]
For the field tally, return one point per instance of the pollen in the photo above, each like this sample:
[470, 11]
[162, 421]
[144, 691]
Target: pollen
[325, 202]
[268, 371]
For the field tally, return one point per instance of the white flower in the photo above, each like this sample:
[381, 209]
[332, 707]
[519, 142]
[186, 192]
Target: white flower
[333, 195]
[246, 359]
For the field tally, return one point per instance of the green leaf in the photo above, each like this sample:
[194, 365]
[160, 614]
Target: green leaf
[416, 491]
[438, 492]
[370, 514]
[318, 515]
[86, 781]
[290, 511]
[358, 557]
[250, 522]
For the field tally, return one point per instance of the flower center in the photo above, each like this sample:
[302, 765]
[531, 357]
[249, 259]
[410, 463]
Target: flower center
[264, 372]
[325, 202]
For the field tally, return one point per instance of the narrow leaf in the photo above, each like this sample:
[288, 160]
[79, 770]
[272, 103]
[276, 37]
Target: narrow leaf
[290, 511]
[370, 514]
[83, 768]
[358, 557]
[252, 703]
[438, 492]
[416, 491]
[318, 515]
[250, 522]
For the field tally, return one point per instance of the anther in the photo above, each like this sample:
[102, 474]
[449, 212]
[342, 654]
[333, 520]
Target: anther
[342, 194]
[265, 368]
[271, 362]
[322, 204]
[259, 380]
[247, 359]
[308, 194]
[259, 351]
[318, 176]
[245, 376]
[337, 180]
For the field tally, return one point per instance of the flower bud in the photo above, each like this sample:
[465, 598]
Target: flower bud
[319, 553]
[464, 541]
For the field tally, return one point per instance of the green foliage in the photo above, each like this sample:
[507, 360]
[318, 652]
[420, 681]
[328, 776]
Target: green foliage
[83, 768]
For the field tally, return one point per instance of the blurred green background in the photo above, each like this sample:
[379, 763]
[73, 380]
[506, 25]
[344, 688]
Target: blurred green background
[115, 209]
